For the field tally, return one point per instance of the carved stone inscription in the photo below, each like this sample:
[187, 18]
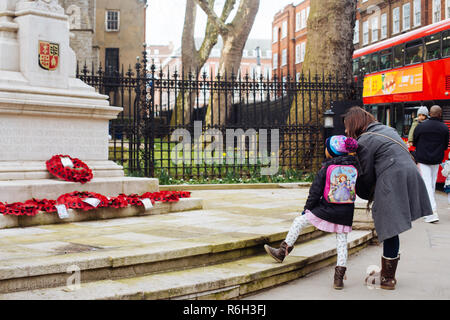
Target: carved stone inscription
[29, 138]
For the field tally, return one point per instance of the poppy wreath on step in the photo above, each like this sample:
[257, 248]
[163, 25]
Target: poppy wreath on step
[76, 200]
[80, 172]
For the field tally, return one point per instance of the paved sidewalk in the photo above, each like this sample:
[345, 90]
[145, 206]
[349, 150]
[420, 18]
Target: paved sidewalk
[423, 271]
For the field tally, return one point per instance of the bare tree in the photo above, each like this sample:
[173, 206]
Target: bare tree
[194, 59]
[234, 35]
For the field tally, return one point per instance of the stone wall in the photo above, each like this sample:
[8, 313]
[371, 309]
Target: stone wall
[82, 27]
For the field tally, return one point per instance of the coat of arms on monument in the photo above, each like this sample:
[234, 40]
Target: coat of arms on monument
[48, 55]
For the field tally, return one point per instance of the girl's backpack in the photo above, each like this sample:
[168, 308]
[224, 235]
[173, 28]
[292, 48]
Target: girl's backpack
[340, 184]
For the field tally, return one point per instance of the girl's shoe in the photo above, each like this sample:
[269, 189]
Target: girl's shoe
[339, 275]
[280, 253]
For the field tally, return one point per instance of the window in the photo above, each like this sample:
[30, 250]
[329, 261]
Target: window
[406, 16]
[447, 9]
[384, 26]
[399, 56]
[268, 53]
[284, 30]
[365, 32]
[302, 51]
[436, 11]
[297, 21]
[356, 66]
[374, 66]
[245, 53]
[275, 60]
[297, 53]
[446, 44]
[417, 13]
[432, 47]
[111, 60]
[284, 57]
[364, 64]
[275, 34]
[414, 52]
[356, 34]
[386, 59]
[303, 21]
[375, 29]
[396, 20]
[112, 20]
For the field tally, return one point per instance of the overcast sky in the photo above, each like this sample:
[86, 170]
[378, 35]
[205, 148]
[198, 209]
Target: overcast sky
[165, 20]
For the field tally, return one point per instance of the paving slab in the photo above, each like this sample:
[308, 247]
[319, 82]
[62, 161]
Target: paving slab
[422, 274]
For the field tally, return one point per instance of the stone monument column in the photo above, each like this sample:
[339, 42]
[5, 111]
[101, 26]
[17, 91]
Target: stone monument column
[45, 110]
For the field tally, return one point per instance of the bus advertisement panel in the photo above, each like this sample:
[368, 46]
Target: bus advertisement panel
[394, 82]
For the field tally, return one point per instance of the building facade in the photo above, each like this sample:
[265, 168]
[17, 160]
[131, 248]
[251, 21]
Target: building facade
[289, 35]
[380, 20]
[110, 33]
[158, 54]
[376, 20]
[256, 59]
[256, 62]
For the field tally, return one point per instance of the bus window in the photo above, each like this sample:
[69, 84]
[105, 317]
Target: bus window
[414, 52]
[398, 56]
[374, 63]
[356, 66]
[364, 65]
[385, 59]
[433, 47]
[446, 44]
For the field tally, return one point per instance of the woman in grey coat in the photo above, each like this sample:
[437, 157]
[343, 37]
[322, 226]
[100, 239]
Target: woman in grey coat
[390, 179]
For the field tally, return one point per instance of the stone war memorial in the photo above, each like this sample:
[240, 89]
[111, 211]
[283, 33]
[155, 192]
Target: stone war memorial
[46, 111]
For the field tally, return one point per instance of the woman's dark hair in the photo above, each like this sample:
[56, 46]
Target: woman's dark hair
[357, 120]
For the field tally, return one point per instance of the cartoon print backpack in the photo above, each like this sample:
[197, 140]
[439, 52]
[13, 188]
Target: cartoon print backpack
[340, 184]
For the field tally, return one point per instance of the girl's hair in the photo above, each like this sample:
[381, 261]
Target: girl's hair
[357, 120]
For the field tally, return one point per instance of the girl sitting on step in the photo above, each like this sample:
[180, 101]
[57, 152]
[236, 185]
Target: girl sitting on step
[331, 203]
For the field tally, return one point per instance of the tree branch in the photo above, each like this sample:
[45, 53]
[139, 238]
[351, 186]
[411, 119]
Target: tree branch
[212, 16]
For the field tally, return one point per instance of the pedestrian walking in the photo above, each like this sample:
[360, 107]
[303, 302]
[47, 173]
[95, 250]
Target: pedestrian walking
[390, 180]
[422, 115]
[446, 173]
[330, 205]
[431, 141]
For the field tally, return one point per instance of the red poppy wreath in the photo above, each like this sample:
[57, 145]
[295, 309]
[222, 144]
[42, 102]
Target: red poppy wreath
[69, 169]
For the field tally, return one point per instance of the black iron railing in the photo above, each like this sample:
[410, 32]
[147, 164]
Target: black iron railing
[192, 125]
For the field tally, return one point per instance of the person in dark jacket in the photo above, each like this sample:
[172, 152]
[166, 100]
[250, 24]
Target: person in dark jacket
[330, 205]
[390, 179]
[431, 141]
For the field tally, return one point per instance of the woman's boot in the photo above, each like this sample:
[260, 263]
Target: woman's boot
[387, 276]
[280, 253]
[339, 274]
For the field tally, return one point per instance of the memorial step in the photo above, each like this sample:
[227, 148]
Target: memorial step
[227, 280]
[22, 190]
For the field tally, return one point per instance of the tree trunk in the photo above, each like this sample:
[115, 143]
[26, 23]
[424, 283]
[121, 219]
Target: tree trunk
[328, 59]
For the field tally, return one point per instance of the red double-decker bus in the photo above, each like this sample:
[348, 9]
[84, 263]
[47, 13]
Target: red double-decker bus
[406, 72]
